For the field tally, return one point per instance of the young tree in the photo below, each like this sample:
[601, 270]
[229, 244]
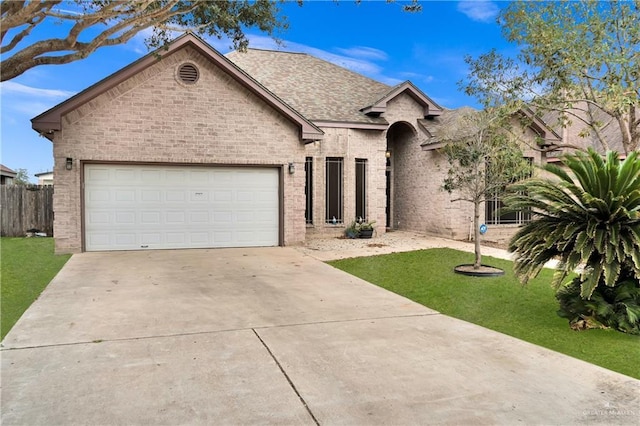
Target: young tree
[22, 177]
[579, 62]
[90, 24]
[484, 156]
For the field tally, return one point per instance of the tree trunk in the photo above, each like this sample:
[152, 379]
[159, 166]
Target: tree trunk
[476, 234]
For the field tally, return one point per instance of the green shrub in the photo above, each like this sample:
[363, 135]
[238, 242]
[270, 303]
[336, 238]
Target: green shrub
[587, 217]
[615, 307]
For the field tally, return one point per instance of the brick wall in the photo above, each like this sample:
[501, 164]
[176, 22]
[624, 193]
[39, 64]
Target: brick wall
[349, 144]
[419, 203]
[154, 118]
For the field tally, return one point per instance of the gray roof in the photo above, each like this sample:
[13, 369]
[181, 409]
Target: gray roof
[459, 123]
[442, 127]
[450, 121]
[7, 171]
[610, 133]
[319, 90]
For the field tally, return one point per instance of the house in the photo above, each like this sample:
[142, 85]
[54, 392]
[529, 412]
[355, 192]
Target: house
[579, 135]
[187, 148]
[45, 178]
[7, 175]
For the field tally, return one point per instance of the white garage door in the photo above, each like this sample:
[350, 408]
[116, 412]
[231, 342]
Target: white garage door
[164, 207]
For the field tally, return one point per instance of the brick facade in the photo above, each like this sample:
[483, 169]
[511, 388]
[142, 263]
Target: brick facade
[348, 144]
[154, 118]
[419, 203]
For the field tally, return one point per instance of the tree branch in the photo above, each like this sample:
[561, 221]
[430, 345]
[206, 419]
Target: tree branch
[123, 19]
[21, 35]
[15, 14]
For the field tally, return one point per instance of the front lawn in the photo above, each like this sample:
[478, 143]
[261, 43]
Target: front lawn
[501, 303]
[28, 264]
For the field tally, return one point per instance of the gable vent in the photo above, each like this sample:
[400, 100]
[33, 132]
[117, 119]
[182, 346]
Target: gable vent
[188, 73]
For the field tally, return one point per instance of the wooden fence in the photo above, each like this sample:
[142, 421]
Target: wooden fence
[25, 207]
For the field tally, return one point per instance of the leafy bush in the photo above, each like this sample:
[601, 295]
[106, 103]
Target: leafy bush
[615, 307]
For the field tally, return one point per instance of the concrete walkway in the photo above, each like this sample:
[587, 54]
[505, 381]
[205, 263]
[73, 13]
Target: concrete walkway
[273, 336]
[391, 242]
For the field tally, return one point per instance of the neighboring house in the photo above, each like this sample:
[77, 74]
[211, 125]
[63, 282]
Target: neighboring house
[45, 178]
[187, 148]
[7, 175]
[577, 133]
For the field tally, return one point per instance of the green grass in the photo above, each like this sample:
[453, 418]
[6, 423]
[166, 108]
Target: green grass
[28, 264]
[499, 303]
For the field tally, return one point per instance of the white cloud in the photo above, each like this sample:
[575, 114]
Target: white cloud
[414, 76]
[10, 87]
[361, 66]
[30, 101]
[364, 52]
[480, 11]
[31, 109]
[137, 42]
[256, 42]
[359, 59]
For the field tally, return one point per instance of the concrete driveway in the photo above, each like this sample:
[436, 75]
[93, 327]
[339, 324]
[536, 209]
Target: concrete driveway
[274, 336]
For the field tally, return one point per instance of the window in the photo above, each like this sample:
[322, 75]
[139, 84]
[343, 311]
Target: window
[361, 188]
[334, 190]
[494, 205]
[308, 190]
[494, 217]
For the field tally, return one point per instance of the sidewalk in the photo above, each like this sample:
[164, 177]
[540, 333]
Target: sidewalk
[326, 249]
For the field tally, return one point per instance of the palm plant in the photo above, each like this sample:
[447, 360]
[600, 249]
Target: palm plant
[589, 219]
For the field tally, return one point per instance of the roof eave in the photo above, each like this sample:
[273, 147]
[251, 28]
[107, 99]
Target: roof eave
[312, 135]
[51, 120]
[374, 109]
[537, 123]
[431, 109]
[432, 146]
[351, 125]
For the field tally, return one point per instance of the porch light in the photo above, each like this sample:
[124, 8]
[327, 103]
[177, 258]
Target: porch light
[68, 163]
[292, 168]
[387, 154]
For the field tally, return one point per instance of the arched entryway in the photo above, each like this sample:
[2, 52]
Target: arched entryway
[400, 137]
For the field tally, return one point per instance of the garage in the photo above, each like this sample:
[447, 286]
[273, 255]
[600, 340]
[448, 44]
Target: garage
[143, 207]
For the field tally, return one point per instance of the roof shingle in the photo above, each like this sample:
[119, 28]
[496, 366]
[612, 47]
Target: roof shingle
[318, 89]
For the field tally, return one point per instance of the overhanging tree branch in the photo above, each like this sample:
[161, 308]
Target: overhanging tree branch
[122, 21]
[584, 48]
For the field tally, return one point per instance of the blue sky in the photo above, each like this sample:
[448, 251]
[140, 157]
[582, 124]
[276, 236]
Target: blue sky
[373, 38]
